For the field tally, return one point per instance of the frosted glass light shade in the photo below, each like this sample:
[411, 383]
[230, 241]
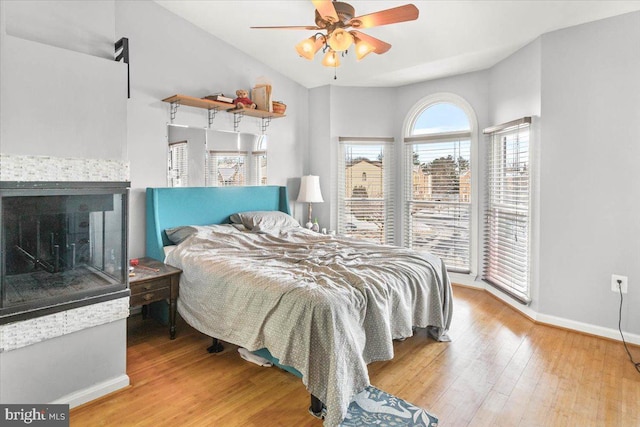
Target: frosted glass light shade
[307, 48]
[331, 59]
[310, 190]
[340, 40]
[362, 48]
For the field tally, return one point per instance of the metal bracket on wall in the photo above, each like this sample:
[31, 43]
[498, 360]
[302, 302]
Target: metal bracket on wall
[174, 109]
[237, 118]
[122, 46]
[212, 114]
[266, 121]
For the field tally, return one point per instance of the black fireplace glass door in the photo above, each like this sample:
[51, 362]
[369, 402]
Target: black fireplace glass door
[60, 246]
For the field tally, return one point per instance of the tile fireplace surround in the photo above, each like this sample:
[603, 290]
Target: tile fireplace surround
[26, 332]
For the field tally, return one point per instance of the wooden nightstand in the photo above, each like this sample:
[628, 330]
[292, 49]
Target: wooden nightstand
[155, 281]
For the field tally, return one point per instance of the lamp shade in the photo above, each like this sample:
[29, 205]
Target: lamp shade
[362, 48]
[331, 59]
[310, 190]
[308, 47]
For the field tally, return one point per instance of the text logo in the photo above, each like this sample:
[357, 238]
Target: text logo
[34, 415]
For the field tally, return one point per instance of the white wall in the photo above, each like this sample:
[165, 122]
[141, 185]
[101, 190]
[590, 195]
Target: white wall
[321, 155]
[57, 102]
[171, 56]
[590, 151]
[515, 85]
[68, 369]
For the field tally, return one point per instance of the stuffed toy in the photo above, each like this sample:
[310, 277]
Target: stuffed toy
[242, 100]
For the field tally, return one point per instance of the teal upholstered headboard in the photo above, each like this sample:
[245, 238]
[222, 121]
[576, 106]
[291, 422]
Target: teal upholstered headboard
[171, 207]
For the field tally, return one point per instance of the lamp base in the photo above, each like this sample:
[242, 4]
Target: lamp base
[309, 225]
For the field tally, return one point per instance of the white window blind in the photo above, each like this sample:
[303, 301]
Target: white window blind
[365, 188]
[227, 169]
[438, 196]
[506, 254]
[178, 161]
[260, 167]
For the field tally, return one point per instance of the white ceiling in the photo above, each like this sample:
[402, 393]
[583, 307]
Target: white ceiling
[448, 38]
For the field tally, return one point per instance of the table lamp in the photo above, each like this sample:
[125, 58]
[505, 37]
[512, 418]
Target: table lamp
[310, 193]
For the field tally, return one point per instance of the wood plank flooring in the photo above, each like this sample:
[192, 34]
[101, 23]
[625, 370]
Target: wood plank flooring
[501, 369]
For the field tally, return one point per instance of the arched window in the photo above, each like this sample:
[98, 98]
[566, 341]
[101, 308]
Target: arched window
[438, 180]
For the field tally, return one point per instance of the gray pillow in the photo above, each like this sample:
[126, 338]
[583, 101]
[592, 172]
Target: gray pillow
[264, 221]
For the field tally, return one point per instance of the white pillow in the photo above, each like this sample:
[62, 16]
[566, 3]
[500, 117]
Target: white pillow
[264, 221]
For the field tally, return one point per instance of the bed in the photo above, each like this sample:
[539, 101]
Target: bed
[324, 305]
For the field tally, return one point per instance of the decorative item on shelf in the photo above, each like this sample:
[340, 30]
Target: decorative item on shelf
[310, 193]
[261, 95]
[242, 100]
[220, 98]
[278, 107]
[315, 227]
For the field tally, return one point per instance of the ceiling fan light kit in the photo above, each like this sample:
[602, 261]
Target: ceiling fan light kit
[333, 17]
[340, 40]
[308, 48]
[362, 48]
[331, 59]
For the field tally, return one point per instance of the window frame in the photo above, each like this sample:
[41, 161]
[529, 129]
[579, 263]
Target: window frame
[501, 132]
[407, 132]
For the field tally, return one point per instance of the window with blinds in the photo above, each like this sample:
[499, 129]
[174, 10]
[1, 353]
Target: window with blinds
[438, 210]
[365, 188]
[227, 169]
[506, 253]
[178, 161]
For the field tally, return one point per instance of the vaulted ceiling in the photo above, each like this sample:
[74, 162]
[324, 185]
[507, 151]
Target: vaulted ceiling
[448, 38]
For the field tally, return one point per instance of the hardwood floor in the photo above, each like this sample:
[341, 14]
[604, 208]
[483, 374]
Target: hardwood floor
[501, 369]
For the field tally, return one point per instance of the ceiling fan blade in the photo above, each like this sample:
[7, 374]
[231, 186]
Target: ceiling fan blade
[326, 10]
[379, 45]
[408, 12]
[308, 27]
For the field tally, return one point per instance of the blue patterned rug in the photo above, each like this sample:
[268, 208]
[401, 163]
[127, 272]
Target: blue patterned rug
[373, 406]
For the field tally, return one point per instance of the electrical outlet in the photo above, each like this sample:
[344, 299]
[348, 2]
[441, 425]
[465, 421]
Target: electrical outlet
[624, 281]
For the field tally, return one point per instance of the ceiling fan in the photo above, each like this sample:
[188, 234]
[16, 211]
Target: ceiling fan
[336, 18]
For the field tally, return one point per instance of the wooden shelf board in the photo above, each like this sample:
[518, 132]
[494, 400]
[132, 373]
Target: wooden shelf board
[257, 113]
[198, 102]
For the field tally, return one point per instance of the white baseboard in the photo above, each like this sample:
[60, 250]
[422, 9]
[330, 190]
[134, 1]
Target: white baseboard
[561, 322]
[466, 280]
[95, 391]
[587, 328]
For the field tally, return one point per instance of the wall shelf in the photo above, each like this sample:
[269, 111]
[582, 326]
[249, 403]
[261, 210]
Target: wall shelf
[214, 106]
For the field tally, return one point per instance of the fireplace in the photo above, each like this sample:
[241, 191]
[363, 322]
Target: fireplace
[63, 245]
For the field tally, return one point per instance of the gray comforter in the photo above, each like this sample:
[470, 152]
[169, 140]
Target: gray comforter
[324, 305]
